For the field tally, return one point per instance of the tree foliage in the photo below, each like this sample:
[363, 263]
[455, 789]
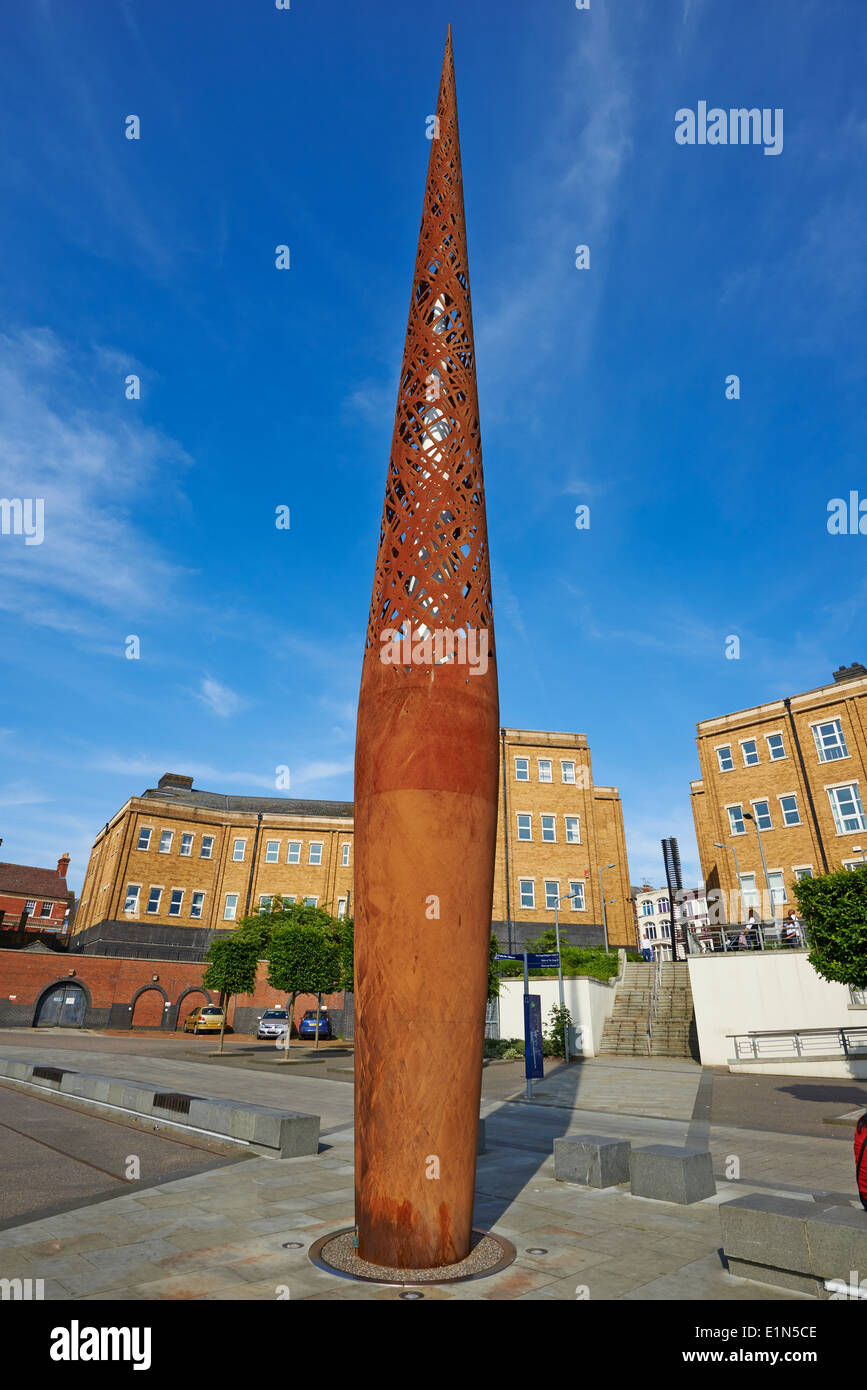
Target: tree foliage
[232, 965]
[304, 959]
[834, 908]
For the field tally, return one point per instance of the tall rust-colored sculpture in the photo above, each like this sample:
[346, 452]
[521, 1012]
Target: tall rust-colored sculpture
[426, 772]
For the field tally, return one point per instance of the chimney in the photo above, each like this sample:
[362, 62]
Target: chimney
[63, 864]
[175, 781]
[850, 673]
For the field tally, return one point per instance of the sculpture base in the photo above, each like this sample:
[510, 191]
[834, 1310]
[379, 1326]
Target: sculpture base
[336, 1254]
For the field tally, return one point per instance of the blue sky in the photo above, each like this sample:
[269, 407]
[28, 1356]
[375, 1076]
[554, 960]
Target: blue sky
[262, 387]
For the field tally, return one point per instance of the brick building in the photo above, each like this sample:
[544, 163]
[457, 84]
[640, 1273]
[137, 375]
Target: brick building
[653, 919]
[34, 900]
[176, 864]
[798, 767]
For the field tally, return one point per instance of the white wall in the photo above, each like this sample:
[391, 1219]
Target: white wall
[754, 991]
[589, 1002]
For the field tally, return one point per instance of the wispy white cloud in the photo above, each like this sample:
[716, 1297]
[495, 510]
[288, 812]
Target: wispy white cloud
[220, 699]
[22, 794]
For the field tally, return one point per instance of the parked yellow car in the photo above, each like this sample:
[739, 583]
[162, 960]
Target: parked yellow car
[208, 1019]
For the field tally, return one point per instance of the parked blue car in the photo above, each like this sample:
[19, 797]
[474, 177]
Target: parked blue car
[307, 1026]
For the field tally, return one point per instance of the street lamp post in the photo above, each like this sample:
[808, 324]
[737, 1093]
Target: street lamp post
[602, 868]
[749, 816]
[733, 851]
[560, 969]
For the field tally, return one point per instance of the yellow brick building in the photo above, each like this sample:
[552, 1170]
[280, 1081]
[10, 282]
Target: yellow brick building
[176, 864]
[798, 766]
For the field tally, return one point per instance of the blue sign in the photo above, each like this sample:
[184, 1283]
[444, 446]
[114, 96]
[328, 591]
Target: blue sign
[548, 961]
[533, 1066]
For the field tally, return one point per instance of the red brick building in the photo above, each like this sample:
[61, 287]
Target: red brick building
[36, 900]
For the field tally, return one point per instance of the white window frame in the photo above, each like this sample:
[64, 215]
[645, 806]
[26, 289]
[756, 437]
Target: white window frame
[272, 851]
[315, 844]
[310, 901]
[231, 916]
[154, 911]
[736, 806]
[526, 763]
[785, 897]
[763, 801]
[144, 830]
[743, 743]
[341, 909]
[530, 885]
[567, 778]
[528, 817]
[197, 893]
[187, 835]
[30, 906]
[802, 871]
[845, 786]
[552, 838]
[549, 884]
[576, 883]
[719, 749]
[172, 894]
[168, 848]
[297, 846]
[776, 733]
[136, 898]
[209, 841]
[236, 857]
[265, 901]
[789, 796]
[573, 832]
[344, 861]
[751, 893]
[650, 932]
[545, 762]
[815, 725]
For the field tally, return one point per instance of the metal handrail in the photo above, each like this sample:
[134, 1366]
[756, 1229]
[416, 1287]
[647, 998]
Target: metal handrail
[652, 1003]
[851, 1041]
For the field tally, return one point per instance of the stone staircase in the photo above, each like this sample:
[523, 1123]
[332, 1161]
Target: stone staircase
[625, 1032]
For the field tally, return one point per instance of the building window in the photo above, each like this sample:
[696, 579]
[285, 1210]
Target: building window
[552, 894]
[30, 906]
[749, 893]
[663, 905]
[154, 899]
[272, 851]
[576, 899]
[750, 752]
[573, 830]
[775, 747]
[665, 929]
[789, 808]
[239, 849]
[762, 813]
[522, 769]
[830, 743]
[647, 908]
[293, 854]
[545, 772]
[175, 902]
[186, 845]
[549, 831]
[311, 902]
[197, 904]
[265, 901]
[847, 808]
[777, 885]
[231, 907]
[286, 898]
[736, 820]
[805, 872]
[131, 900]
[315, 856]
[568, 771]
[725, 759]
[345, 859]
[528, 892]
[525, 831]
[851, 864]
[650, 933]
[341, 909]
[45, 909]
[144, 837]
[207, 847]
[166, 837]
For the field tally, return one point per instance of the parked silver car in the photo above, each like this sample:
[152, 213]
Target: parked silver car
[273, 1023]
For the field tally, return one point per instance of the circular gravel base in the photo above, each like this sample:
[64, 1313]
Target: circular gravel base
[337, 1254]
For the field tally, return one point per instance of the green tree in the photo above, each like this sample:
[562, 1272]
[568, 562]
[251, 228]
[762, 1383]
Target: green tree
[555, 1032]
[304, 959]
[494, 969]
[231, 969]
[834, 908]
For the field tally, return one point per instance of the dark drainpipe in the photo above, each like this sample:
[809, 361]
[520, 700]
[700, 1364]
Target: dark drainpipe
[253, 865]
[506, 839]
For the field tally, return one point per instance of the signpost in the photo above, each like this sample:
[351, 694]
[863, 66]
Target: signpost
[533, 1064]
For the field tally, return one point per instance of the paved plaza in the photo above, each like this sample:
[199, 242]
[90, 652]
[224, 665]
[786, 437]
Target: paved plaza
[220, 1233]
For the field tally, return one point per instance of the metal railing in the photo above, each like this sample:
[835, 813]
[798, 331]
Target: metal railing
[800, 1042]
[758, 936]
[653, 1004]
